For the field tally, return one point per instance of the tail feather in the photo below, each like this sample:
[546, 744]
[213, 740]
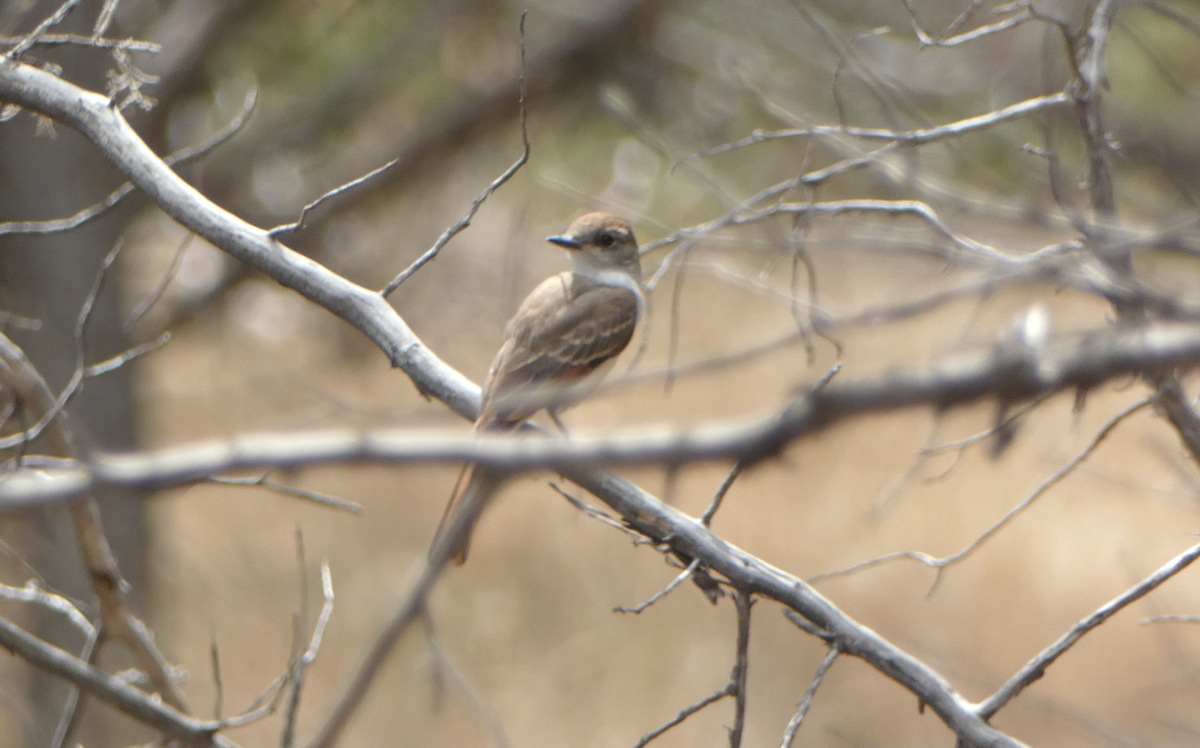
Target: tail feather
[471, 492]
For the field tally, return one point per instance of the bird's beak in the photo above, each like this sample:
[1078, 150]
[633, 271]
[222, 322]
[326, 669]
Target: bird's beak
[565, 242]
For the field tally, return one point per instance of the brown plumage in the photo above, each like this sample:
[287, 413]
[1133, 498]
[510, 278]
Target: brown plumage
[558, 346]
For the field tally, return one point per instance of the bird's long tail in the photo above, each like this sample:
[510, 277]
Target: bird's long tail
[475, 486]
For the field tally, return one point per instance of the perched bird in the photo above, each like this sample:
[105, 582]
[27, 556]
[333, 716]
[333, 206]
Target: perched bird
[559, 345]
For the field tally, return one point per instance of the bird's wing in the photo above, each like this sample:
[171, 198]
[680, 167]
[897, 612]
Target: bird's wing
[559, 336]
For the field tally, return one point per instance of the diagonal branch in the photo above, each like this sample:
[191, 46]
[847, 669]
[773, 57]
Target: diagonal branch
[110, 689]
[1036, 667]
[106, 127]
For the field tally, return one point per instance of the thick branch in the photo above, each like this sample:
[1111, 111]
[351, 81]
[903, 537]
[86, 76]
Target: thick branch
[105, 126]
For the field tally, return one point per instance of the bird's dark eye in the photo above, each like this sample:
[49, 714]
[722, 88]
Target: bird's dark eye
[606, 239]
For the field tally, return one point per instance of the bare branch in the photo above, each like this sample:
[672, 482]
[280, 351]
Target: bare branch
[1171, 619]
[119, 360]
[1026, 14]
[50, 22]
[706, 518]
[940, 564]
[410, 608]
[299, 224]
[19, 375]
[743, 601]
[178, 158]
[728, 690]
[789, 733]
[680, 579]
[444, 666]
[153, 297]
[89, 113]
[300, 493]
[1036, 667]
[32, 592]
[72, 713]
[905, 137]
[454, 230]
[97, 42]
[110, 689]
[1011, 373]
[746, 572]
[300, 668]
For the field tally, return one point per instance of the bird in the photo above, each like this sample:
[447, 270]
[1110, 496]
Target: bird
[562, 341]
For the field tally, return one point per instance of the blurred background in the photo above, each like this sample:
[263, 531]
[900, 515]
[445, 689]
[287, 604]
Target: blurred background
[522, 646]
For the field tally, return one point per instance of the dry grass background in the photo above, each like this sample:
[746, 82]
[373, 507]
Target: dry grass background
[528, 623]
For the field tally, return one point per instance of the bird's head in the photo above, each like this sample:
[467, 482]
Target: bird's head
[600, 241]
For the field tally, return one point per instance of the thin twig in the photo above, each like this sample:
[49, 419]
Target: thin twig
[105, 17]
[309, 656]
[75, 383]
[155, 295]
[444, 666]
[19, 322]
[410, 608]
[1036, 667]
[940, 564]
[728, 690]
[789, 734]
[265, 705]
[1013, 21]
[706, 518]
[1171, 619]
[119, 360]
[218, 686]
[149, 710]
[33, 592]
[72, 713]
[299, 223]
[743, 601]
[807, 627]
[49, 23]
[598, 515]
[129, 45]
[300, 493]
[683, 575]
[454, 230]
[179, 158]
[906, 137]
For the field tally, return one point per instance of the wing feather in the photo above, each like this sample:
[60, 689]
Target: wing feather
[560, 334]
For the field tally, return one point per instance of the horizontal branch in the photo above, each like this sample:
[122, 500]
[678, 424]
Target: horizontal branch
[98, 42]
[904, 137]
[1010, 372]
